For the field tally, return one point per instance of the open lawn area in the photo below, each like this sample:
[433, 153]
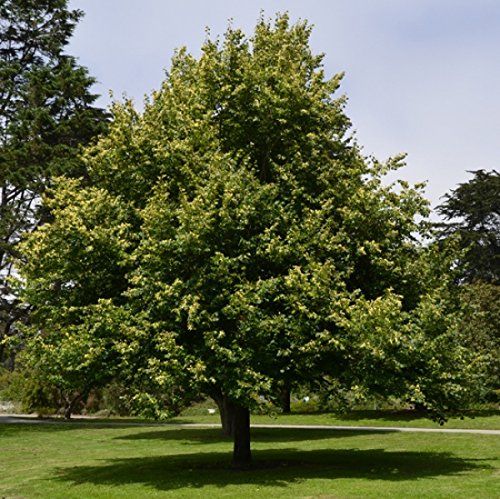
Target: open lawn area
[91, 459]
[481, 419]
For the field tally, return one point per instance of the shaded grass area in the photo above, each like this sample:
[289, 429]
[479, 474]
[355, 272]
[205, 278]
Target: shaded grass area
[91, 460]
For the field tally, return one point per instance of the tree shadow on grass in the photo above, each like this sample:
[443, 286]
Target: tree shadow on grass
[210, 435]
[271, 468]
[13, 429]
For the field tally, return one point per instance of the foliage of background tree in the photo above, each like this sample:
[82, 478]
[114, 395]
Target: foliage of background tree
[46, 111]
[472, 210]
[237, 240]
[479, 329]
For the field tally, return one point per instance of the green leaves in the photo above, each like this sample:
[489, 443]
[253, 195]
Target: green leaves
[83, 255]
[241, 242]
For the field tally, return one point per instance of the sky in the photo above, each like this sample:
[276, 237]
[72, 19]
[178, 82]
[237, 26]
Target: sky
[422, 77]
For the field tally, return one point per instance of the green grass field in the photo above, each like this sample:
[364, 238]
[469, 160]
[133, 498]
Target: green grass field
[90, 459]
[485, 419]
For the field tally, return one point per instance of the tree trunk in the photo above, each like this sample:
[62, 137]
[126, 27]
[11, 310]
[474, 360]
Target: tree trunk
[285, 397]
[69, 404]
[68, 409]
[235, 421]
[242, 456]
[226, 413]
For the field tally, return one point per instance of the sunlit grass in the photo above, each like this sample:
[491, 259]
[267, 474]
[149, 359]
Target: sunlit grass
[86, 460]
[485, 419]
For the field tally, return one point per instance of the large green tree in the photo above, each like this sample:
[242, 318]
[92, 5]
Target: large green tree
[46, 112]
[239, 242]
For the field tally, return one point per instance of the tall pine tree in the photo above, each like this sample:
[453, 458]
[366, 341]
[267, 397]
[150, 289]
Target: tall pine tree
[472, 211]
[47, 110]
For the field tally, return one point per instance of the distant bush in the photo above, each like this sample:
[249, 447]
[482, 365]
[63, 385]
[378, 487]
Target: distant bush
[4, 380]
[201, 407]
[108, 401]
[10, 385]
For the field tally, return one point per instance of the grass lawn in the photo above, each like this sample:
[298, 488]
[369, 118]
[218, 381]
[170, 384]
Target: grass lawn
[486, 419]
[86, 460]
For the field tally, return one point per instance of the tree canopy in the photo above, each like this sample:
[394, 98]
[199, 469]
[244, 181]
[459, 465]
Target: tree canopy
[237, 240]
[46, 112]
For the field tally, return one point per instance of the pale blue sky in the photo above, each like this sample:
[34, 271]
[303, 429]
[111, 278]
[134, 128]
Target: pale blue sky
[422, 76]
